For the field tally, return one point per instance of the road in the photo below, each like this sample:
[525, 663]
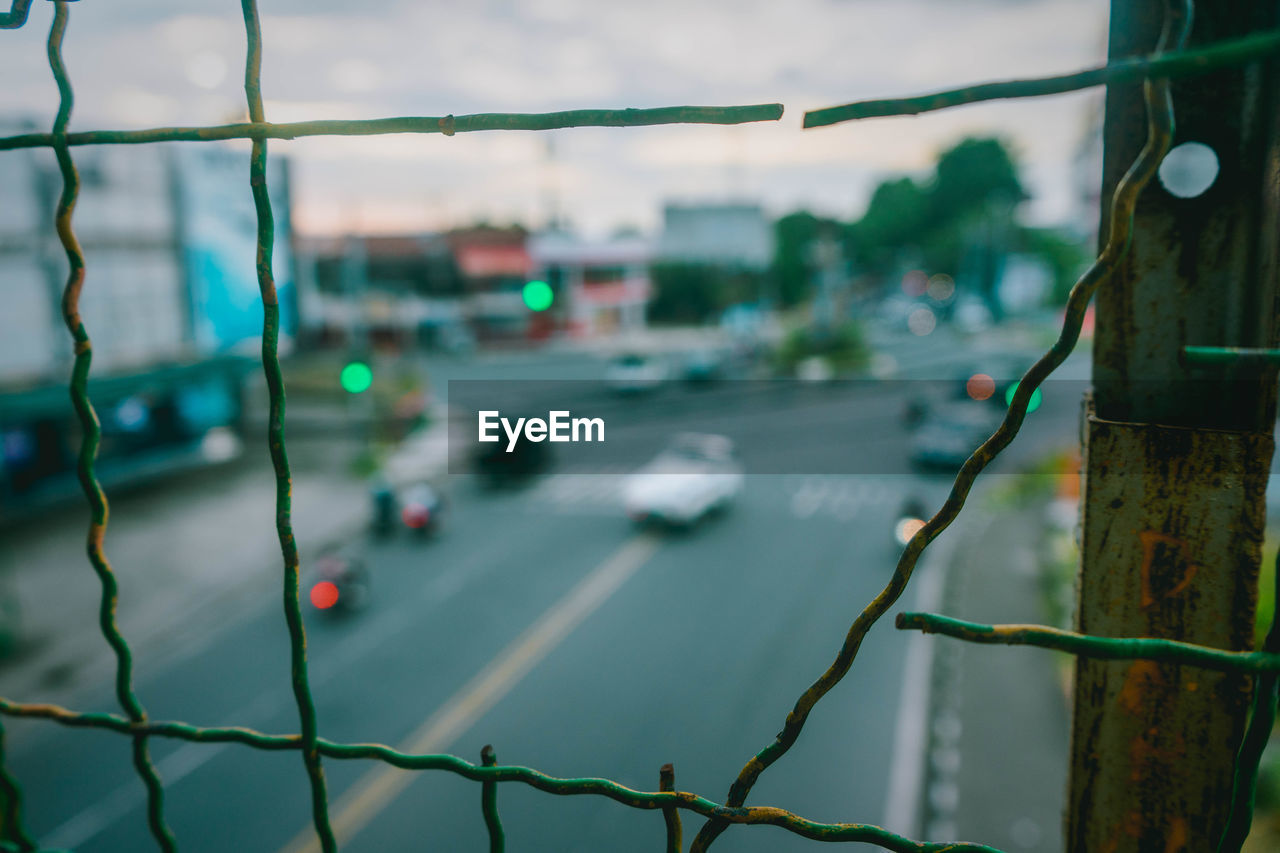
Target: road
[542, 622]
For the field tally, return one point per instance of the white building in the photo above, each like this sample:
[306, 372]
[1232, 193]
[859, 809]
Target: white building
[732, 234]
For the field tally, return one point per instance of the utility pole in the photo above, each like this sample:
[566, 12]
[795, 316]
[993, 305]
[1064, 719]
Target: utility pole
[1177, 453]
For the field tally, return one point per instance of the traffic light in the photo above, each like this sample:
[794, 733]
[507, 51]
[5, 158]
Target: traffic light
[1032, 404]
[538, 295]
[356, 377]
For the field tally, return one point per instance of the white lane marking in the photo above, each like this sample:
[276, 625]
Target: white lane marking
[562, 491]
[911, 736]
[379, 786]
[177, 765]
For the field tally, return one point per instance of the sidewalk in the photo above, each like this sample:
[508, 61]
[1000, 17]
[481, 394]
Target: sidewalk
[190, 555]
[998, 743]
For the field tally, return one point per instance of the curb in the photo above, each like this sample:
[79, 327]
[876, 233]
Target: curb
[907, 774]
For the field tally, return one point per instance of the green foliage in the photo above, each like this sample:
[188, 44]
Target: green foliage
[843, 347]
[792, 268]
[973, 180]
[896, 216]
[959, 218]
[1266, 593]
[697, 293]
[970, 175]
[1067, 257]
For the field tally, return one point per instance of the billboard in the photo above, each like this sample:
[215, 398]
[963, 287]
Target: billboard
[218, 233]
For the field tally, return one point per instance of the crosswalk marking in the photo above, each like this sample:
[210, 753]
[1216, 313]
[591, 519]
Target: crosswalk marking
[818, 496]
[841, 497]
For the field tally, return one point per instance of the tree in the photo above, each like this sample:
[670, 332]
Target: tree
[792, 264]
[935, 219]
[897, 216]
[696, 293]
[971, 175]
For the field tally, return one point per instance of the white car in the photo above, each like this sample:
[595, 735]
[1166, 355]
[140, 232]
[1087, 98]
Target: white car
[634, 373]
[695, 476]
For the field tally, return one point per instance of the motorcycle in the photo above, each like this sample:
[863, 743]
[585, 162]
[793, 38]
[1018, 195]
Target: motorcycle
[419, 508]
[342, 585]
[422, 509]
[383, 519]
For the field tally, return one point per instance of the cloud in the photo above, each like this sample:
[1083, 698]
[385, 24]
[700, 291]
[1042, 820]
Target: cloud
[147, 62]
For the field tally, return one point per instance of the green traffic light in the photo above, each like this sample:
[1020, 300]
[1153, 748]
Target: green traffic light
[537, 295]
[1032, 404]
[356, 377]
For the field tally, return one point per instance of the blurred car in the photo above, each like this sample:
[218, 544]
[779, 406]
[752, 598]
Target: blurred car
[696, 475]
[949, 435]
[634, 373]
[499, 467]
[703, 365]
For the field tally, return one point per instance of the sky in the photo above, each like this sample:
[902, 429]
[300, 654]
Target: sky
[141, 63]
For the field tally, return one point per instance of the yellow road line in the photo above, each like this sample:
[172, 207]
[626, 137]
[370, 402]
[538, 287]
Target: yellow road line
[379, 786]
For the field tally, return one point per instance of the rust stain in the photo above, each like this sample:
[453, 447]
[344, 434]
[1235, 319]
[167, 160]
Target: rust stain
[1150, 539]
[1150, 759]
[1139, 680]
[1177, 838]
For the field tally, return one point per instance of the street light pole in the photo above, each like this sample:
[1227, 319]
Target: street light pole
[1177, 454]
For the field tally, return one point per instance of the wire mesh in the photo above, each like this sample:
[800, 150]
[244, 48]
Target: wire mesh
[1170, 59]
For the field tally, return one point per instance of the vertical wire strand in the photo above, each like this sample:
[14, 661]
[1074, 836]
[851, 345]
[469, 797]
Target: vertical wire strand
[275, 433]
[92, 434]
[1266, 694]
[1159, 137]
[13, 831]
[489, 804]
[671, 816]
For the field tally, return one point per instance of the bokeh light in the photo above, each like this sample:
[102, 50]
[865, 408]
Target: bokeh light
[980, 386]
[914, 283]
[1189, 170]
[921, 321]
[356, 377]
[941, 287]
[1032, 404]
[538, 295]
[907, 528]
[324, 595]
[415, 516]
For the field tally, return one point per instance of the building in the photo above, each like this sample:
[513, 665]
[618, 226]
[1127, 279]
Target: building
[388, 289]
[495, 266]
[601, 286]
[730, 235]
[170, 301]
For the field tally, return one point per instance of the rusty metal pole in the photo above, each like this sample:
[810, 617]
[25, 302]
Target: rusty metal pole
[1176, 455]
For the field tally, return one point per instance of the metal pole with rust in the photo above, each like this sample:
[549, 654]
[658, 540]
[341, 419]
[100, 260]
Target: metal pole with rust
[1177, 454]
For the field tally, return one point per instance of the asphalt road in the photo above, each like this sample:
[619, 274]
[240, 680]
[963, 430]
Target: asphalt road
[542, 622]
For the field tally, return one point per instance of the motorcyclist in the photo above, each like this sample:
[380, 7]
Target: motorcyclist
[343, 583]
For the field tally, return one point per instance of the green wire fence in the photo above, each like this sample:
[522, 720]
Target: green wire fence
[1170, 59]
